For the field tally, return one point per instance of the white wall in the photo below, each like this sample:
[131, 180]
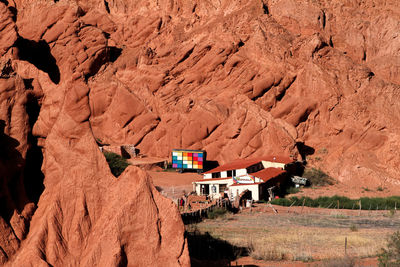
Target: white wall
[269, 164]
[210, 183]
[207, 176]
[237, 190]
[224, 174]
[241, 172]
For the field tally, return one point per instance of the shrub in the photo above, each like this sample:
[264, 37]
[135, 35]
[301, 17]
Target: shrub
[317, 177]
[341, 202]
[216, 212]
[323, 150]
[390, 256]
[117, 163]
[353, 228]
[261, 251]
[292, 190]
[267, 254]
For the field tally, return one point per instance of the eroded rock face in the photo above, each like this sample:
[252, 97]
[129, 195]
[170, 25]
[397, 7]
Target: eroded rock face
[85, 216]
[317, 80]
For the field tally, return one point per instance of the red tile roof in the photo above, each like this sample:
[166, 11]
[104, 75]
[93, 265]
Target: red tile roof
[268, 173]
[244, 163]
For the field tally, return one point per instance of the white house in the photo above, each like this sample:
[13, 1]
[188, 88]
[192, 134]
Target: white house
[255, 175]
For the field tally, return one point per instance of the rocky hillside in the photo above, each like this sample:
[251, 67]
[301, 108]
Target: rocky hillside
[315, 79]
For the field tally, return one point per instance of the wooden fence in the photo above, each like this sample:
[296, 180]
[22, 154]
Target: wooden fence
[189, 217]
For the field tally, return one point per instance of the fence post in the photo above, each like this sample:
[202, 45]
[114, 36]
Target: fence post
[304, 200]
[291, 205]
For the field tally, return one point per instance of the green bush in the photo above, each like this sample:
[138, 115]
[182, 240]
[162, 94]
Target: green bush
[116, 162]
[292, 190]
[317, 177]
[216, 212]
[390, 256]
[353, 228]
[341, 202]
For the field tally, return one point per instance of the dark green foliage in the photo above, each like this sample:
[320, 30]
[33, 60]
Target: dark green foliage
[216, 212]
[316, 177]
[390, 256]
[117, 163]
[292, 190]
[343, 202]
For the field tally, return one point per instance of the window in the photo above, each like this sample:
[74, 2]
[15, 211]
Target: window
[216, 175]
[222, 188]
[255, 168]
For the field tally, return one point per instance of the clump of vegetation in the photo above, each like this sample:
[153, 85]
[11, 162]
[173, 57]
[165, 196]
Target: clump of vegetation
[260, 251]
[323, 150]
[216, 212]
[292, 190]
[317, 158]
[340, 202]
[317, 177]
[379, 188]
[353, 228]
[116, 162]
[390, 256]
[267, 254]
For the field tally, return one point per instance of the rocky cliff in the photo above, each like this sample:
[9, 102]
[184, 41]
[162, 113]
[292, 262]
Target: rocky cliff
[317, 80]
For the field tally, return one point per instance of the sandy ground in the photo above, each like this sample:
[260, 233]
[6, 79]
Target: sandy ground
[172, 178]
[173, 184]
[146, 160]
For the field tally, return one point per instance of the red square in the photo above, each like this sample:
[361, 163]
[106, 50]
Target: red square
[194, 158]
[189, 154]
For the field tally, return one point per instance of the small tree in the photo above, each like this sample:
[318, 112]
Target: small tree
[117, 163]
[390, 256]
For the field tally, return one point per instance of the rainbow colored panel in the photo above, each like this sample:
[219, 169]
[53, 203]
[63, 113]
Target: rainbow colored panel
[187, 159]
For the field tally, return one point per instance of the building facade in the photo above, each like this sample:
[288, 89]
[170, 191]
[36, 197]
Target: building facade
[256, 175]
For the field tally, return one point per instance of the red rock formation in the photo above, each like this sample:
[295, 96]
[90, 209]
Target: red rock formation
[317, 79]
[84, 216]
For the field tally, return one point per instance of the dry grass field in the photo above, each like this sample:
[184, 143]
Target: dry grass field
[304, 234]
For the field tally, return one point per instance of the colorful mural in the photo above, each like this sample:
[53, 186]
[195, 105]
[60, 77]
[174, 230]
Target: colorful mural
[188, 159]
